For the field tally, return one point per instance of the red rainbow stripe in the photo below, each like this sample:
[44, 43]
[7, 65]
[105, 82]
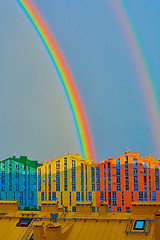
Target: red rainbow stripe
[65, 77]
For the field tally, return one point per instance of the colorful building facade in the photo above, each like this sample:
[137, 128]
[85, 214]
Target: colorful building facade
[128, 178]
[18, 181]
[68, 181]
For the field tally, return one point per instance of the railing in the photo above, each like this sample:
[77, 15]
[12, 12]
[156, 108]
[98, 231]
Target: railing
[28, 231]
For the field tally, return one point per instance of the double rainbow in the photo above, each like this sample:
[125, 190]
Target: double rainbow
[145, 76]
[64, 75]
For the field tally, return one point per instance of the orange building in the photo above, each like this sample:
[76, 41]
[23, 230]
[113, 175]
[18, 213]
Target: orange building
[128, 178]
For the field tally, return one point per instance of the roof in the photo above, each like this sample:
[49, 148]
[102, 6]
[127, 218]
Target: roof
[24, 160]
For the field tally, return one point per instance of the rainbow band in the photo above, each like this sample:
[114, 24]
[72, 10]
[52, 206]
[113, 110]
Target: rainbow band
[146, 80]
[64, 76]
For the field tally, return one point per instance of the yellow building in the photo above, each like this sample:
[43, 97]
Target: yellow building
[68, 180]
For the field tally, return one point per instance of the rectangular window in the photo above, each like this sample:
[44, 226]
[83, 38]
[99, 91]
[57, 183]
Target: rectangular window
[90, 196]
[82, 196]
[127, 209]
[140, 196]
[157, 178]
[126, 174]
[122, 199]
[61, 199]
[77, 196]
[145, 196]
[109, 198]
[132, 196]
[93, 209]
[86, 176]
[53, 196]
[118, 209]
[74, 209]
[101, 197]
[35, 179]
[154, 196]
[21, 198]
[73, 176]
[145, 176]
[42, 196]
[98, 178]
[118, 176]
[135, 174]
[70, 199]
[82, 178]
[57, 175]
[109, 177]
[65, 174]
[93, 178]
[114, 199]
[39, 179]
[105, 178]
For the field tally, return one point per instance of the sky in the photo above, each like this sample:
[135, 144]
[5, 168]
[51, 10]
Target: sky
[35, 117]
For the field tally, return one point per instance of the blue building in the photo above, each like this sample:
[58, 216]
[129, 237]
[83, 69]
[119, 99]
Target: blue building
[18, 181]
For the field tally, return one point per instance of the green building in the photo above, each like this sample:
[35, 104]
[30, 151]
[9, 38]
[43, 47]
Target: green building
[18, 181]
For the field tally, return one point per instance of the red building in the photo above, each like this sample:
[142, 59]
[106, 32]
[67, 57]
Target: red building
[128, 178]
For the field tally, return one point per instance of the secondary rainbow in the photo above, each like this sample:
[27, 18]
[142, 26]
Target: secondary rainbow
[82, 129]
[146, 79]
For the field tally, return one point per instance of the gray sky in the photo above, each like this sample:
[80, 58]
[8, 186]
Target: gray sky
[35, 119]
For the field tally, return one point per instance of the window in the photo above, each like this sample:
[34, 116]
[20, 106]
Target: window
[98, 178]
[110, 209]
[39, 179]
[74, 209]
[154, 196]
[135, 174]
[82, 178]
[126, 174]
[57, 175]
[93, 178]
[141, 196]
[132, 196]
[109, 198]
[73, 176]
[53, 196]
[105, 178]
[61, 199]
[42, 196]
[90, 196]
[157, 178]
[101, 197]
[139, 225]
[122, 199]
[109, 177]
[65, 174]
[24, 222]
[118, 179]
[66, 209]
[82, 196]
[127, 209]
[70, 199]
[114, 200]
[78, 196]
[93, 209]
[145, 196]
[86, 176]
[21, 198]
[118, 209]
[144, 176]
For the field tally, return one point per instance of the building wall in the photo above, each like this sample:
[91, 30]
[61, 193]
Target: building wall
[125, 179]
[68, 180]
[18, 181]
